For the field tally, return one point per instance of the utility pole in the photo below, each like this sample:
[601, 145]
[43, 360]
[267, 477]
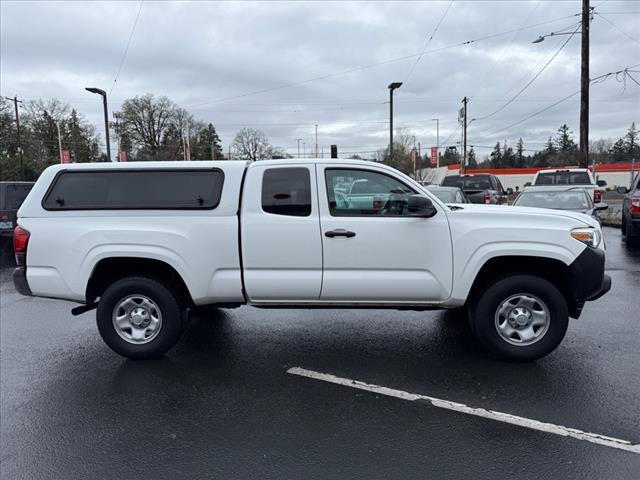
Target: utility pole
[437, 120]
[584, 86]
[316, 140]
[229, 152]
[116, 115]
[59, 141]
[188, 145]
[15, 105]
[304, 149]
[464, 136]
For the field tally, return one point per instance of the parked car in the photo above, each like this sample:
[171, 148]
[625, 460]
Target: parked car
[271, 234]
[631, 212]
[479, 187]
[570, 177]
[12, 194]
[448, 194]
[574, 199]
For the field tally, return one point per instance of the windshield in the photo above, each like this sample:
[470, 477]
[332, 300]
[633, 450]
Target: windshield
[568, 200]
[563, 178]
[15, 195]
[447, 196]
[471, 182]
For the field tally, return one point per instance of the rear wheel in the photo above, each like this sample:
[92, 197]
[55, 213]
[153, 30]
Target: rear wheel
[632, 238]
[520, 318]
[139, 318]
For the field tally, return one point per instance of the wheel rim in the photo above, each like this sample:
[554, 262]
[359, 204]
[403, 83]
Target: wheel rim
[522, 319]
[137, 319]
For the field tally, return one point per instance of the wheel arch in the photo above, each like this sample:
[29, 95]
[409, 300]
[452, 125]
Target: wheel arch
[111, 269]
[554, 271]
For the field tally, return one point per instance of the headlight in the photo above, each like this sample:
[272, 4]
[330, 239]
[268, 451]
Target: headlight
[588, 236]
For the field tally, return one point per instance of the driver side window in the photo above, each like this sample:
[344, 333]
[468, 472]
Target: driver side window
[355, 193]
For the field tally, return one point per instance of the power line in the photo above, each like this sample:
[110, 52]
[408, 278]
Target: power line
[376, 64]
[126, 49]
[505, 50]
[435, 30]
[598, 79]
[451, 135]
[533, 79]
[618, 28]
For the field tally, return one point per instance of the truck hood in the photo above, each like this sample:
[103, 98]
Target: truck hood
[525, 212]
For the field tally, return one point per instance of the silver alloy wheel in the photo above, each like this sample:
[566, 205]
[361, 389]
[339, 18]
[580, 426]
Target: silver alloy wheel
[522, 319]
[137, 319]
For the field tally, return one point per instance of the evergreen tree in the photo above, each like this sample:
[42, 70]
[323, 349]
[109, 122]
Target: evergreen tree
[471, 159]
[618, 151]
[631, 146]
[520, 160]
[496, 156]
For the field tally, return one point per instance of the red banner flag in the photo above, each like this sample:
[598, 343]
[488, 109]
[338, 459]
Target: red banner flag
[434, 155]
[65, 156]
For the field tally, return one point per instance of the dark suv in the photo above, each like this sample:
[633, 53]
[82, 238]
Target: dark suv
[631, 212]
[478, 187]
[12, 194]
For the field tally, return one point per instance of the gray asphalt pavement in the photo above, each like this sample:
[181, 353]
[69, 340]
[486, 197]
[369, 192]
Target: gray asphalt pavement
[221, 404]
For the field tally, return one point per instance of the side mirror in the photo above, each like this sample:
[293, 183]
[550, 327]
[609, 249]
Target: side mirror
[420, 206]
[528, 184]
[622, 190]
[509, 191]
[601, 183]
[601, 206]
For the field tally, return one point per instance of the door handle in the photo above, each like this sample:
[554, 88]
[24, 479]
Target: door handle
[339, 232]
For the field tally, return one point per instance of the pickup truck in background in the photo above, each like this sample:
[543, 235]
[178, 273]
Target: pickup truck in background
[12, 194]
[145, 242]
[479, 187]
[631, 212]
[570, 177]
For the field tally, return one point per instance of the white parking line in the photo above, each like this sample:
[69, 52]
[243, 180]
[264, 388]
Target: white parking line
[478, 412]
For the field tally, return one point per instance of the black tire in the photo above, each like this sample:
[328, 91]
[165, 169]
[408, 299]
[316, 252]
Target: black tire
[167, 304]
[632, 239]
[483, 317]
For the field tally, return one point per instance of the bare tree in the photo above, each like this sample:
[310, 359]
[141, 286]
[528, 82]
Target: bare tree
[147, 120]
[251, 144]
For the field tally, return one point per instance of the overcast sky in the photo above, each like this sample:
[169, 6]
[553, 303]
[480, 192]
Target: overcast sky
[214, 58]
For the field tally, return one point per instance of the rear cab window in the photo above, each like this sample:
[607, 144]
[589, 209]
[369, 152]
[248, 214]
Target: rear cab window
[287, 191]
[563, 178]
[163, 189]
[468, 182]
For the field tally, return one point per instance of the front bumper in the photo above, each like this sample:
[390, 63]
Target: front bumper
[20, 281]
[587, 279]
[604, 288]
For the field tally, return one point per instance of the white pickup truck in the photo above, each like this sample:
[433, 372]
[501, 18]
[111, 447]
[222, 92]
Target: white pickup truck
[569, 177]
[146, 242]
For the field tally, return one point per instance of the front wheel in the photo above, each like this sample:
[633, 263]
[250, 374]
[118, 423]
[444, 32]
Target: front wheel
[520, 318]
[139, 318]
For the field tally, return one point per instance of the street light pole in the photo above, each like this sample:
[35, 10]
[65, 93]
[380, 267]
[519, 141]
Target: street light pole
[102, 93]
[298, 140]
[464, 136]
[392, 86]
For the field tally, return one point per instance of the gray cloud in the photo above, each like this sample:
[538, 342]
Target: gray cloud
[200, 52]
